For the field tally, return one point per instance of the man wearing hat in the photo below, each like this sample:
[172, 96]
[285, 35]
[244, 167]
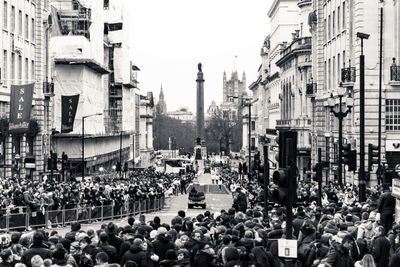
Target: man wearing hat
[113, 239]
[128, 235]
[162, 244]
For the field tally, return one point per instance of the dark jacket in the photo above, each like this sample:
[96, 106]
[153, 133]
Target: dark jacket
[6, 264]
[395, 259]
[111, 252]
[115, 241]
[136, 254]
[386, 203]
[338, 256]
[297, 223]
[169, 263]
[125, 247]
[161, 245]
[203, 259]
[380, 251]
[92, 251]
[263, 258]
[38, 249]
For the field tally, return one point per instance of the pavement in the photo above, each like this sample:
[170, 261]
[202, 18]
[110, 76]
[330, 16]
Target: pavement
[217, 199]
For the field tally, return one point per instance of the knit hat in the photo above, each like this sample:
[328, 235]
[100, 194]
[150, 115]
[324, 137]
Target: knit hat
[161, 231]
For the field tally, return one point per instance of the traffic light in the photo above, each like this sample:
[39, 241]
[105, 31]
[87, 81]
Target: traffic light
[118, 166]
[285, 181]
[349, 157]
[64, 161]
[373, 155]
[126, 167]
[52, 162]
[317, 169]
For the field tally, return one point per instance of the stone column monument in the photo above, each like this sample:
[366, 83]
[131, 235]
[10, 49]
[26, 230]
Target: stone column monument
[200, 149]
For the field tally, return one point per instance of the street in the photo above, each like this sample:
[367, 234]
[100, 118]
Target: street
[216, 201]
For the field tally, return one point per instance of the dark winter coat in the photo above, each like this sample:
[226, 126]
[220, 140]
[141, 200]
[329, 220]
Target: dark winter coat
[136, 254]
[115, 241]
[263, 258]
[169, 263]
[395, 259]
[380, 251]
[40, 250]
[161, 245]
[387, 203]
[111, 252]
[125, 247]
[338, 256]
[203, 259]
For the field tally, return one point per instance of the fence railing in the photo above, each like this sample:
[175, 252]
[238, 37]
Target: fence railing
[25, 218]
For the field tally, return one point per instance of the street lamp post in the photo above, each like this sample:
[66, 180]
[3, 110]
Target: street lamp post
[340, 115]
[83, 142]
[361, 178]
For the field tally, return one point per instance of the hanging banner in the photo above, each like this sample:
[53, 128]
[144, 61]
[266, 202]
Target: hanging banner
[69, 105]
[20, 107]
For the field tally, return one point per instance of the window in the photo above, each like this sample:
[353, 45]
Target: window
[20, 69]
[338, 19]
[325, 76]
[344, 58]
[26, 69]
[338, 67]
[20, 23]
[3, 108]
[333, 72]
[4, 65]
[253, 125]
[5, 15]
[333, 23]
[12, 67]
[329, 74]
[329, 27]
[12, 18]
[392, 114]
[106, 4]
[344, 15]
[26, 27]
[325, 32]
[33, 70]
[327, 149]
[115, 26]
[33, 30]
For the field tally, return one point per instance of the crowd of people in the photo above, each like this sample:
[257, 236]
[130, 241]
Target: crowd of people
[20, 196]
[340, 232]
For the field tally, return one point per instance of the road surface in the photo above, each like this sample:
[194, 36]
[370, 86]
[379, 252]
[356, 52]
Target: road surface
[217, 198]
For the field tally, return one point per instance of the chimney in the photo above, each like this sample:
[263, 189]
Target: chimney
[293, 36]
[297, 33]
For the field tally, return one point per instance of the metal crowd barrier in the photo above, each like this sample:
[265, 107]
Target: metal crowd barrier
[26, 219]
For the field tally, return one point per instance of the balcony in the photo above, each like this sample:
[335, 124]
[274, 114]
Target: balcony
[348, 76]
[48, 89]
[394, 74]
[283, 124]
[311, 89]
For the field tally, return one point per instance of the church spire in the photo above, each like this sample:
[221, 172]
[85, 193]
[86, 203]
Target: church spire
[161, 96]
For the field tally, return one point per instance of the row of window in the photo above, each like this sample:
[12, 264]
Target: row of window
[392, 117]
[333, 69]
[17, 65]
[10, 23]
[336, 21]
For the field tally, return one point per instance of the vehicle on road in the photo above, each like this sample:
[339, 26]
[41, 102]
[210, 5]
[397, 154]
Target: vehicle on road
[196, 199]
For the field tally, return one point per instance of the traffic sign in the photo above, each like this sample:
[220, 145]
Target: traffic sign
[287, 248]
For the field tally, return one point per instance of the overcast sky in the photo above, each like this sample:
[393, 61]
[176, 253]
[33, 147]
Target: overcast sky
[170, 37]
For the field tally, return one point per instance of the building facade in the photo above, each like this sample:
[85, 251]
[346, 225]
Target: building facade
[182, 114]
[88, 50]
[336, 53]
[146, 130]
[232, 94]
[267, 89]
[25, 43]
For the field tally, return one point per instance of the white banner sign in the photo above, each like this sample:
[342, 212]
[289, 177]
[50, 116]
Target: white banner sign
[287, 248]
